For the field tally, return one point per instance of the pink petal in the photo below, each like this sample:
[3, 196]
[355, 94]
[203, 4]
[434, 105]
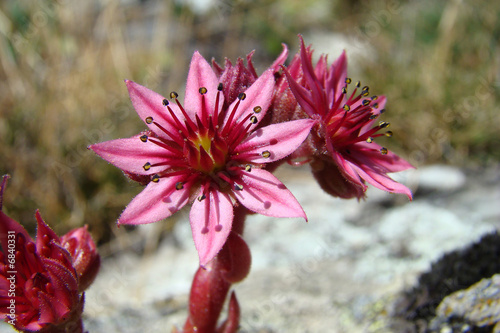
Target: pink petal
[344, 165]
[382, 181]
[131, 154]
[336, 78]
[200, 75]
[302, 95]
[281, 59]
[156, 202]
[315, 86]
[265, 194]
[280, 140]
[260, 93]
[206, 217]
[148, 103]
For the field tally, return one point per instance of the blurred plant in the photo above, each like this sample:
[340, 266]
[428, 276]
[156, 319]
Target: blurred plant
[42, 284]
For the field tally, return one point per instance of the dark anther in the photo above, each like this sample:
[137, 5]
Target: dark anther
[253, 119]
[383, 124]
[242, 96]
[149, 120]
[348, 80]
[144, 138]
[248, 168]
[257, 109]
[375, 105]
[388, 134]
[173, 95]
[374, 98]
[383, 151]
[358, 84]
[147, 166]
[382, 111]
[238, 187]
[203, 90]
[266, 153]
[220, 86]
[366, 102]
[369, 140]
[344, 90]
[179, 186]
[155, 178]
[373, 116]
[165, 102]
[346, 107]
[202, 197]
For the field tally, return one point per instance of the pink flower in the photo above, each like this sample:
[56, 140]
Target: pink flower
[39, 286]
[341, 147]
[208, 154]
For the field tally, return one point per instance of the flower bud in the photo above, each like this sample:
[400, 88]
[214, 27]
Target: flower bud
[86, 260]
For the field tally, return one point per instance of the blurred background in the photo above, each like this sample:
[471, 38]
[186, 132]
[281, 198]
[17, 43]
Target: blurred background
[63, 62]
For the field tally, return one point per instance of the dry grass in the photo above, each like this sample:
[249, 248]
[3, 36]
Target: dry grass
[62, 66]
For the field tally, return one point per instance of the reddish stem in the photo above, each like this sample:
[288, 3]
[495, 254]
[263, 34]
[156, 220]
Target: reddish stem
[211, 284]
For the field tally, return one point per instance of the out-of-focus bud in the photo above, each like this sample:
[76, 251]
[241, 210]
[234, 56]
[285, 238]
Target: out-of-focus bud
[39, 287]
[86, 259]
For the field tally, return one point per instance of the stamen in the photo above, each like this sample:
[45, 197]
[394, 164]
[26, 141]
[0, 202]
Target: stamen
[373, 116]
[147, 166]
[346, 107]
[266, 154]
[238, 187]
[358, 84]
[248, 168]
[257, 109]
[366, 102]
[369, 140]
[388, 134]
[383, 151]
[179, 185]
[382, 111]
[348, 80]
[144, 138]
[149, 120]
[375, 105]
[374, 98]
[344, 90]
[155, 178]
[203, 90]
[174, 95]
[253, 119]
[242, 96]
[215, 119]
[202, 197]
[165, 102]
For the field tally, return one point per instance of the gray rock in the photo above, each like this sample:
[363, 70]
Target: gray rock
[478, 305]
[440, 178]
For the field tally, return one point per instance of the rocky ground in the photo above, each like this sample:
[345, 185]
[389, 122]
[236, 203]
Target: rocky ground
[370, 266]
